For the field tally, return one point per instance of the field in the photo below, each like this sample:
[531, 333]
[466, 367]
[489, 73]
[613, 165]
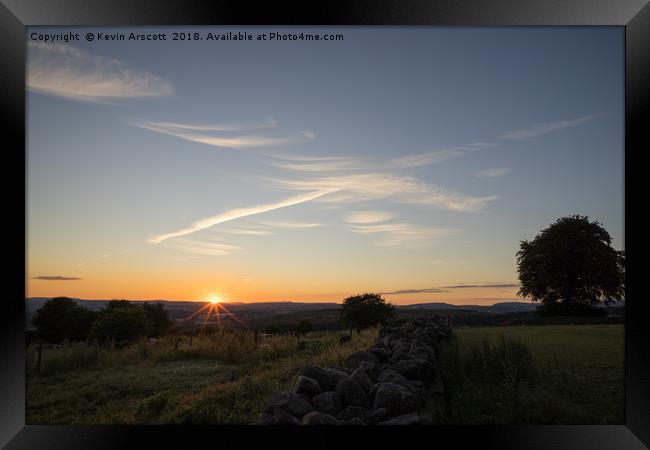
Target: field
[569, 374]
[218, 380]
[555, 374]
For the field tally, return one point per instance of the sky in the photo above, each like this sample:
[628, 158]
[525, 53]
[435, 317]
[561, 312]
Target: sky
[410, 161]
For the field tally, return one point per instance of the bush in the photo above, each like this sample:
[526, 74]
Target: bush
[367, 310]
[121, 325]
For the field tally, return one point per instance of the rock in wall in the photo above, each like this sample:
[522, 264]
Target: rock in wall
[397, 381]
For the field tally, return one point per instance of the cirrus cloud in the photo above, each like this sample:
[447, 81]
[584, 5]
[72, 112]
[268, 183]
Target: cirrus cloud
[64, 71]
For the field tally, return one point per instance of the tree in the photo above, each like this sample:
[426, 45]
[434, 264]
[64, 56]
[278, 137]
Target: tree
[62, 318]
[366, 310]
[303, 327]
[571, 265]
[159, 318]
[121, 325]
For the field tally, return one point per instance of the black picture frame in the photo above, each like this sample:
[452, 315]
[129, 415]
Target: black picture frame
[633, 15]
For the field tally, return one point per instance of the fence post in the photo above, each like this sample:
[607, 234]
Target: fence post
[39, 359]
[190, 340]
[256, 339]
[350, 331]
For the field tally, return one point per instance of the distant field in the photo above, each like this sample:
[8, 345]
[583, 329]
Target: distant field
[575, 375]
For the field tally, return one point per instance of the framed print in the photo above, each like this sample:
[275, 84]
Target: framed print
[242, 221]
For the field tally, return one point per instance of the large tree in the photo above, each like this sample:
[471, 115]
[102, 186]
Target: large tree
[366, 310]
[571, 263]
[62, 318]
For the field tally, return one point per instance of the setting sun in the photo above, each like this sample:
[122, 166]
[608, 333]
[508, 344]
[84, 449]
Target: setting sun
[214, 300]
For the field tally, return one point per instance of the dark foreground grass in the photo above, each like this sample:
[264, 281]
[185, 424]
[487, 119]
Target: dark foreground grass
[565, 374]
[218, 380]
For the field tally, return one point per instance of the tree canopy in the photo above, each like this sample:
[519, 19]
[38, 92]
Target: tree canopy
[366, 310]
[570, 263]
[62, 318]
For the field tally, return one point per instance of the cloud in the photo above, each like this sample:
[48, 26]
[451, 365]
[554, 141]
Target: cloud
[484, 144]
[401, 234]
[424, 159]
[322, 164]
[64, 71]
[249, 232]
[198, 133]
[201, 247]
[493, 285]
[239, 213]
[372, 186]
[494, 172]
[548, 127]
[107, 255]
[55, 278]
[416, 291]
[308, 134]
[367, 217]
[294, 225]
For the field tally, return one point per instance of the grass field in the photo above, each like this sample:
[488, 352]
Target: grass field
[568, 374]
[218, 380]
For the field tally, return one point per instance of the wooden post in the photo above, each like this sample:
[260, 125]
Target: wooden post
[176, 345]
[350, 331]
[256, 339]
[39, 358]
[190, 340]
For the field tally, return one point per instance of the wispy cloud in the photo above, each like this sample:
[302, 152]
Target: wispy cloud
[241, 212]
[368, 217]
[417, 291]
[64, 71]
[493, 172]
[55, 278]
[291, 225]
[323, 164]
[456, 286]
[197, 133]
[491, 285]
[247, 231]
[107, 255]
[372, 186]
[424, 159]
[201, 247]
[548, 127]
[401, 234]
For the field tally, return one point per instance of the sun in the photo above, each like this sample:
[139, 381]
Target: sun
[214, 300]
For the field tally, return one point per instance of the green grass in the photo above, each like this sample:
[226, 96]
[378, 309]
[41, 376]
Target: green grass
[556, 374]
[218, 380]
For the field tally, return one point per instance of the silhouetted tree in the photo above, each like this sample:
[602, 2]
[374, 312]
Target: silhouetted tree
[121, 325]
[159, 318]
[570, 265]
[119, 304]
[304, 327]
[62, 318]
[366, 310]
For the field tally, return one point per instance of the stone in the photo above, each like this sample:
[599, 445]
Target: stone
[414, 369]
[328, 402]
[395, 398]
[289, 402]
[381, 353]
[375, 416]
[307, 386]
[352, 393]
[422, 350]
[406, 419]
[327, 378]
[364, 380]
[319, 418]
[351, 412]
[355, 359]
[371, 369]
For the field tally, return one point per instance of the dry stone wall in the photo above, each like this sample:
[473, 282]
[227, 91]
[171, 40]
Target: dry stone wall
[395, 382]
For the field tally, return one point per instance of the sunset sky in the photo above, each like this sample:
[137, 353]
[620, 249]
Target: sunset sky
[407, 161]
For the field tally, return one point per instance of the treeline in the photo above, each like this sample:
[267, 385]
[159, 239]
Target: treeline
[120, 321]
